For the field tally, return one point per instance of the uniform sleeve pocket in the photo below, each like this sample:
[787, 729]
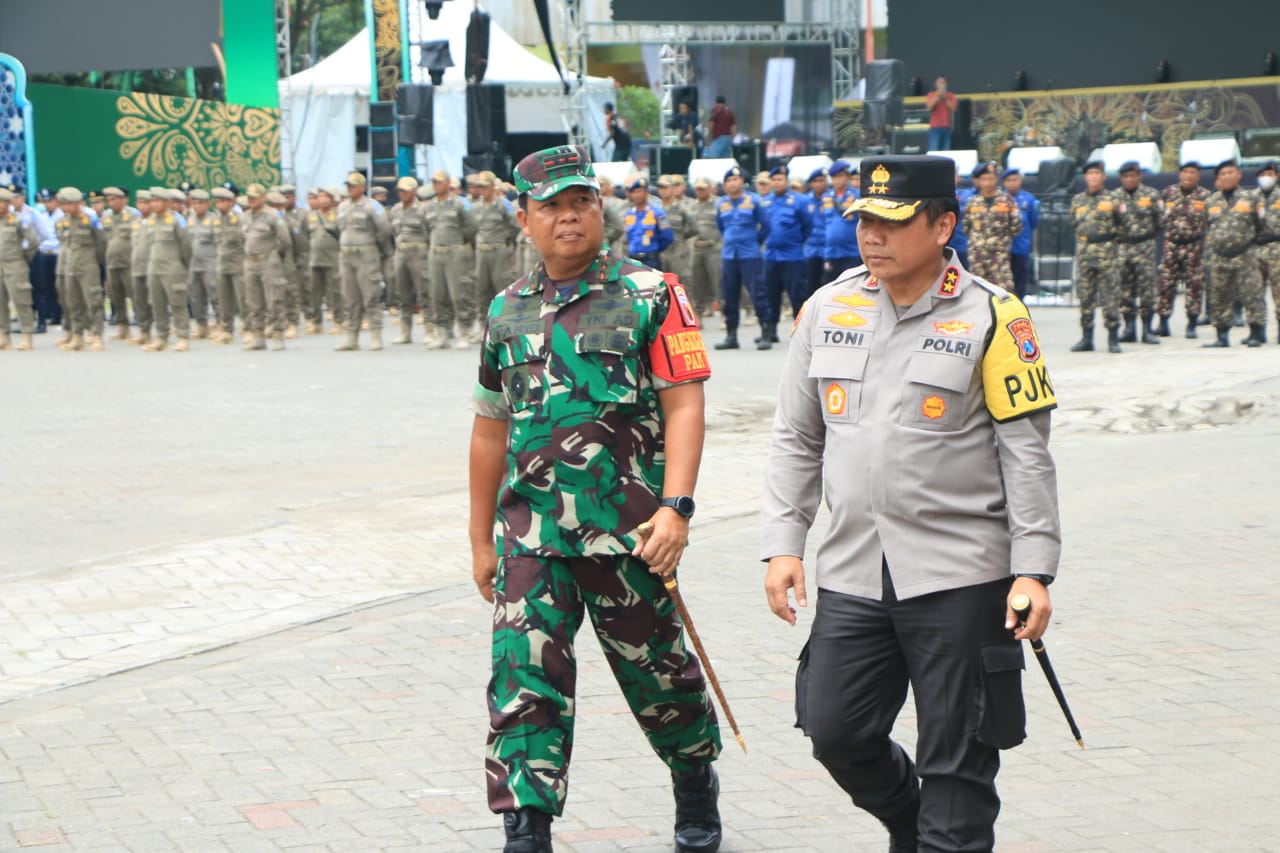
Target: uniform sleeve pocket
[607, 369]
[522, 369]
[838, 363]
[1001, 712]
[934, 395]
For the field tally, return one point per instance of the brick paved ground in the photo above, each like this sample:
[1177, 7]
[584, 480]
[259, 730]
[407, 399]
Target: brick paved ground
[236, 614]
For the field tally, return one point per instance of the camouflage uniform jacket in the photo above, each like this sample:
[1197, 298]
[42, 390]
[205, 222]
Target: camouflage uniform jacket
[991, 223]
[1233, 221]
[577, 371]
[1096, 216]
[1269, 214]
[1185, 215]
[119, 229]
[1142, 213]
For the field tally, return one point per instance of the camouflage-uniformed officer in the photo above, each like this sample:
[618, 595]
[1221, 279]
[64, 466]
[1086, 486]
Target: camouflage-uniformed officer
[705, 241]
[202, 284]
[1096, 215]
[1142, 219]
[322, 237]
[228, 232]
[364, 240]
[268, 244]
[413, 256]
[167, 269]
[84, 246]
[568, 445]
[140, 256]
[18, 244]
[1182, 259]
[1268, 249]
[118, 224]
[496, 233]
[991, 220]
[453, 229]
[1234, 221]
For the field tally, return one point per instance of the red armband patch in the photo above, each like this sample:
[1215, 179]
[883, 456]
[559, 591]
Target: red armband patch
[678, 353]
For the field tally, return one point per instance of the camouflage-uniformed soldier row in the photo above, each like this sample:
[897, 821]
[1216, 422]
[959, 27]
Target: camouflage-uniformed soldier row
[1233, 234]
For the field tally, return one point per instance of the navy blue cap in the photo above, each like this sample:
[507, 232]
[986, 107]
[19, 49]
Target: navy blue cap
[1189, 164]
[838, 167]
[637, 182]
[1232, 162]
[1095, 164]
[820, 172]
[1269, 166]
[1010, 171]
[45, 194]
[734, 172]
[778, 170]
[1130, 166]
[982, 168]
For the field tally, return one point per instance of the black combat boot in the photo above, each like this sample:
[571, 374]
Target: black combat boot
[697, 817]
[1191, 327]
[1221, 341]
[730, 340]
[1113, 340]
[1148, 333]
[1257, 335]
[1085, 344]
[1130, 334]
[528, 831]
[767, 337]
[1163, 329]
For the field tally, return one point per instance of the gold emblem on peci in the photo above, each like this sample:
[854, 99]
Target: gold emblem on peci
[879, 180]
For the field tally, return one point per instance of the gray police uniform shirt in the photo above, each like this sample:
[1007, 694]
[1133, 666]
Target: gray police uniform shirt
[927, 432]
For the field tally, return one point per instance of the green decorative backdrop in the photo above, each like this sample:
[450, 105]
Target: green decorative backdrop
[90, 139]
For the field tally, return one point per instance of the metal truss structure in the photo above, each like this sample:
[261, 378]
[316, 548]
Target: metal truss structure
[674, 71]
[284, 68]
[574, 113]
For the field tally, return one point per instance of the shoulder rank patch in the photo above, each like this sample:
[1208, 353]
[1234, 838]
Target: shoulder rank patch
[950, 284]
[872, 283]
[678, 353]
[1014, 377]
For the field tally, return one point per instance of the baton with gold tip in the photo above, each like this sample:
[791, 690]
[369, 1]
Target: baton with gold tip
[673, 589]
[1021, 606]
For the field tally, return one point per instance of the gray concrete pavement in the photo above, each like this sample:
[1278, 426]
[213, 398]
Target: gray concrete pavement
[237, 613]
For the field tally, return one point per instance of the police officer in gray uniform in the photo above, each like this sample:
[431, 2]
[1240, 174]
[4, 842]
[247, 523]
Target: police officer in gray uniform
[915, 396]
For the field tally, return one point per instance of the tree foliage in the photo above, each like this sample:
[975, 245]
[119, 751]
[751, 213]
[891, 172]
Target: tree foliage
[331, 22]
[640, 107]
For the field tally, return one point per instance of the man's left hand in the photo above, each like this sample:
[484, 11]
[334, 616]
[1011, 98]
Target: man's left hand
[1041, 609]
[663, 547]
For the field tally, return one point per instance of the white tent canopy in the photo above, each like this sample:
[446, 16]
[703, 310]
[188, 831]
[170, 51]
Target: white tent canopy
[324, 103]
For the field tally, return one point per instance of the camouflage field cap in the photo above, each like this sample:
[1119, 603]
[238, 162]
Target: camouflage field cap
[893, 188]
[544, 173]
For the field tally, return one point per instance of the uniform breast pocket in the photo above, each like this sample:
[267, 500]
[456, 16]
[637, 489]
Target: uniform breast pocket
[522, 374]
[839, 371]
[934, 395]
[606, 367]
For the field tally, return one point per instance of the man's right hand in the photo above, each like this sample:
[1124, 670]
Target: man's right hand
[484, 569]
[785, 573]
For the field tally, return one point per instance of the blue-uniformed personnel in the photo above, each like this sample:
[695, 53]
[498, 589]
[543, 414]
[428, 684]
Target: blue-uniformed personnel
[1023, 243]
[841, 252]
[784, 269]
[915, 400]
[647, 229]
[744, 226]
[817, 241]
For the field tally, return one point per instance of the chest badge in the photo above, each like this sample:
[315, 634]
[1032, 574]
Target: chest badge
[933, 407]
[953, 327]
[856, 300]
[848, 319]
[880, 180]
[837, 399]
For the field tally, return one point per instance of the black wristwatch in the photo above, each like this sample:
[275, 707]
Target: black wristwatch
[682, 504]
[1044, 579]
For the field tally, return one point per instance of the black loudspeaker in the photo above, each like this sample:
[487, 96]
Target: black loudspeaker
[1056, 175]
[886, 79]
[499, 164]
[382, 143]
[486, 117]
[415, 122]
[911, 141]
[750, 156]
[882, 113]
[477, 61]
[684, 95]
[382, 114]
[362, 139]
[962, 125]
[670, 160]
[385, 172]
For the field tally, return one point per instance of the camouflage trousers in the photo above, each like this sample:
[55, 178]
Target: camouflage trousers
[1269, 269]
[1138, 278]
[993, 265]
[1098, 284]
[1231, 279]
[1181, 263]
[538, 610]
